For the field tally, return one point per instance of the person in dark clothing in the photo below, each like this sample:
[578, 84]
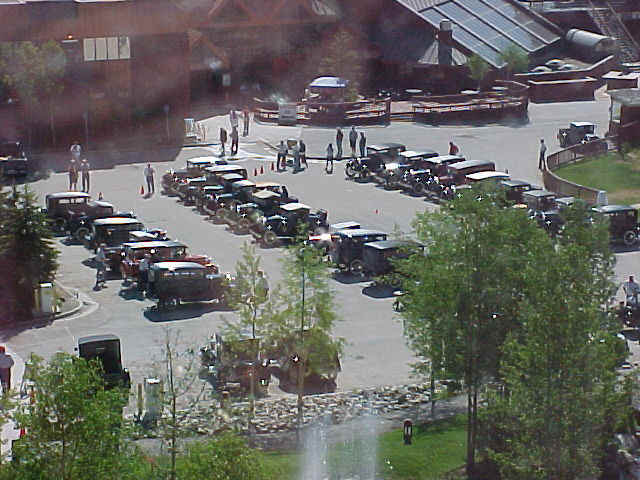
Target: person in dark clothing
[363, 144]
[353, 140]
[453, 149]
[223, 140]
[282, 156]
[234, 141]
[329, 159]
[303, 154]
[245, 121]
[339, 137]
[543, 155]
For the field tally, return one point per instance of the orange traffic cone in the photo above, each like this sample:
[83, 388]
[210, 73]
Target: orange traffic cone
[261, 169]
[273, 166]
[255, 172]
[141, 189]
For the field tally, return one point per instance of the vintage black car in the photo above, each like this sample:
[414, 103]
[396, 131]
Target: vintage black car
[62, 206]
[407, 160]
[206, 198]
[13, 160]
[457, 172]
[377, 156]
[79, 224]
[320, 370]
[514, 190]
[214, 174]
[377, 256]
[539, 200]
[188, 190]
[623, 223]
[113, 232]
[172, 179]
[198, 164]
[348, 245]
[438, 165]
[176, 282]
[578, 132]
[106, 349]
[283, 225]
[226, 363]
[419, 182]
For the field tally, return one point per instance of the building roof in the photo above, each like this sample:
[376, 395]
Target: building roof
[487, 27]
[627, 96]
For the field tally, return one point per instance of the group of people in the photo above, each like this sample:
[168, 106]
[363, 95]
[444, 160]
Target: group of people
[77, 168]
[233, 120]
[299, 150]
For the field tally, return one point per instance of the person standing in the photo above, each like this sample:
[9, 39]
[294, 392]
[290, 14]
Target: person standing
[233, 118]
[353, 140]
[101, 265]
[245, 121]
[76, 151]
[363, 144]
[223, 140]
[282, 156]
[6, 362]
[262, 288]
[73, 175]
[149, 174]
[84, 170]
[631, 290]
[296, 158]
[543, 154]
[339, 137]
[143, 272]
[234, 140]
[303, 153]
[329, 159]
[453, 149]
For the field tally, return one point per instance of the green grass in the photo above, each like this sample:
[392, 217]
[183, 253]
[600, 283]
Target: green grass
[620, 178]
[436, 449]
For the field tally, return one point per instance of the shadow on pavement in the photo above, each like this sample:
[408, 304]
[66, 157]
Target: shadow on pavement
[378, 291]
[347, 278]
[183, 311]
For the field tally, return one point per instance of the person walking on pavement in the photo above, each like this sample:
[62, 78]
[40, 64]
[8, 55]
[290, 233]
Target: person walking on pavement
[329, 159]
[84, 169]
[6, 362]
[223, 140]
[233, 118]
[234, 140]
[453, 149]
[282, 156]
[303, 153]
[543, 152]
[76, 151]
[262, 288]
[245, 121]
[149, 173]
[353, 140]
[73, 175]
[101, 265]
[362, 144]
[339, 137]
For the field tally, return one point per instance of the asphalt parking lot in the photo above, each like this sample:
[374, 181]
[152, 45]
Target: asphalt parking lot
[375, 353]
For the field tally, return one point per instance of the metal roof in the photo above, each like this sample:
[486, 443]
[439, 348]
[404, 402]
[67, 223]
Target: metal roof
[68, 195]
[232, 176]
[487, 175]
[359, 232]
[224, 168]
[177, 266]
[294, 206]
[446, 159]
[264, 194]
[468, 164]
[153, 244]
[488, 27]
[422, 153]
[613, 208]
[116, 221]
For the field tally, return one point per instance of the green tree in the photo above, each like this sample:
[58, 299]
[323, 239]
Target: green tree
[478, 68]
[343, 58]
[563, 403]
[462, 298]
[35, 72]
[73, 426]
[27, 248]
[305, 313]
[515, 58]
[224, 457]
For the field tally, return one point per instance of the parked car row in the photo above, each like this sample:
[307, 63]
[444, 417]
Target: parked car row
[174, 274]
[420, 172]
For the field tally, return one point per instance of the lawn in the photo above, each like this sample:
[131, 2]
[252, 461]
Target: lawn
[436, 449]
[620, 178]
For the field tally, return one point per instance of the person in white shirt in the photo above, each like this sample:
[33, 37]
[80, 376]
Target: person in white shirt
[76, 151]
[631, 291]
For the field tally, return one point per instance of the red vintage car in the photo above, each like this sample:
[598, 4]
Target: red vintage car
[160, 251]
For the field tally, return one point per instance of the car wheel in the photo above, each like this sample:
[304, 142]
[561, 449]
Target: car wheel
[418, 188]
[244, 224]
[81, 233]
[349, 171]
[270, 238]
[357, 267]
[630, 238]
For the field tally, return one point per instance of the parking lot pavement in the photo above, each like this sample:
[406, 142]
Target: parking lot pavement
[376, 353]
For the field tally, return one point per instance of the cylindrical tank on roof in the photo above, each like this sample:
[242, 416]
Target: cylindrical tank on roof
[591, 43]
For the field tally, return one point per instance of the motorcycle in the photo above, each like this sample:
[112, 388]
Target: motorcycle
[355, 168]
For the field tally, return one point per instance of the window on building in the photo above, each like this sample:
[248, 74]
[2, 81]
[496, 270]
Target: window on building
[107, 48]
